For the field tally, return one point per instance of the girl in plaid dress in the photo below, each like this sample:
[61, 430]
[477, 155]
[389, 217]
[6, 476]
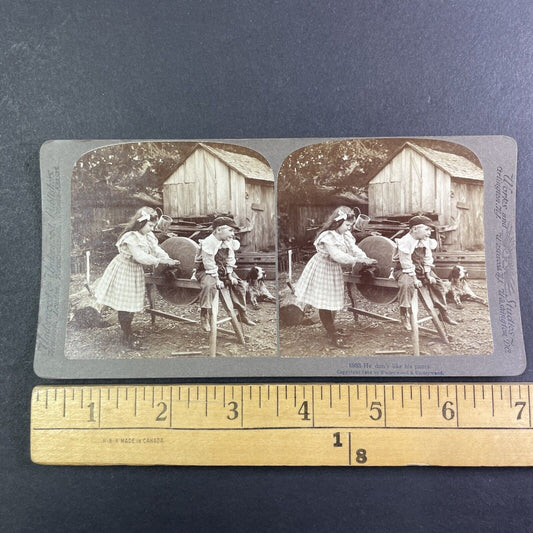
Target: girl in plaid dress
[321, 283]
[122, 286]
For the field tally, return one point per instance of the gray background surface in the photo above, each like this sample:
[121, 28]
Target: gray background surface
[238, 69]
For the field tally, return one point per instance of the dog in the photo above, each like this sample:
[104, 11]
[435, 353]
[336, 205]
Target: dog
[458, 289]
[257, 289]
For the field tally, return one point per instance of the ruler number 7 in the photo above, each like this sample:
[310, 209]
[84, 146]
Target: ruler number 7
[520, 404]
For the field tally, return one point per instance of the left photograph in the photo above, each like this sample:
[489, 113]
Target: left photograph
[172, 253]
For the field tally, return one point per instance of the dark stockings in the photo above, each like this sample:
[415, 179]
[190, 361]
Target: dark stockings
[125, 319]
[327, 318]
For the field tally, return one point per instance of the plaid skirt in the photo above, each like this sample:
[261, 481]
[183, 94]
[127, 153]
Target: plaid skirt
[122, 286]
[321, 284]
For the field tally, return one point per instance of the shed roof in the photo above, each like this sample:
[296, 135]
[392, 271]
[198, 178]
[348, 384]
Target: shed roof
[249, 167]
[455, 165]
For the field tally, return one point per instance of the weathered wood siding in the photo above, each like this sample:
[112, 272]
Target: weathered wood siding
[261, 215]
[467, 213]
[204, 185]
[410, 183]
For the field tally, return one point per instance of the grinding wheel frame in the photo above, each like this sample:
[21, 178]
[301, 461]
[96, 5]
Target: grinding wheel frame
[184, 250]
[382, 249]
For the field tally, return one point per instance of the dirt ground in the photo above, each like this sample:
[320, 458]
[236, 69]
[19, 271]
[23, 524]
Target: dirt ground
[367, 337]
[472, 336]
[167, 337]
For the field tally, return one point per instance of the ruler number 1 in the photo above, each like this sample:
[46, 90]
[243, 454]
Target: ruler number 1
[91, 412]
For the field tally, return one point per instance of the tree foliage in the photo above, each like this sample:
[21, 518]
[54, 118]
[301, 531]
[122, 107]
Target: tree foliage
[346, 166]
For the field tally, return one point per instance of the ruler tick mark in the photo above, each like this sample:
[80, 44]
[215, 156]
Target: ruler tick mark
[357, 391]
[46, 400]
[330, 394]
[438, 396]
[170, 409]
[277, 400]
[64, 403]
[55, 395]
[189, 398]
[401, 388]
[135, 403]
[340, 394]
[492, 398]
[81, 402]
[268, 392]
[420, 399]
[260, 397]
[366, 395]
[206, 402]
[474, 395]
[197, 393]
[384, 405]
[410, 392]
[482, 392]
[510, 396]
[529, 403]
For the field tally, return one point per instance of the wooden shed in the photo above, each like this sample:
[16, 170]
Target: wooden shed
[314, 212]
[213, 181]
[417, 179]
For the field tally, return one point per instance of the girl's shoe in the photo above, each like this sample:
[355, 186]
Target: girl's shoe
[132, 343]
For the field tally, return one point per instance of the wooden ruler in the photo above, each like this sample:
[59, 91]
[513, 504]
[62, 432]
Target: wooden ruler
[460, 424]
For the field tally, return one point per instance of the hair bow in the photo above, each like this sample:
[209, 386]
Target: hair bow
[341, 216]
[144, 216]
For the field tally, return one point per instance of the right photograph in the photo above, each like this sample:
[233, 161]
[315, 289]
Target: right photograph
[381, 250]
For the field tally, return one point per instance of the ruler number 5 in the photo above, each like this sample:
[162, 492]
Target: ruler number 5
[378, 413]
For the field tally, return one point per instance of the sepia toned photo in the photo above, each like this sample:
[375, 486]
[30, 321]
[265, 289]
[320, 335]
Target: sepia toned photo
[382, 247]
[172, 253]
[279, 257]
